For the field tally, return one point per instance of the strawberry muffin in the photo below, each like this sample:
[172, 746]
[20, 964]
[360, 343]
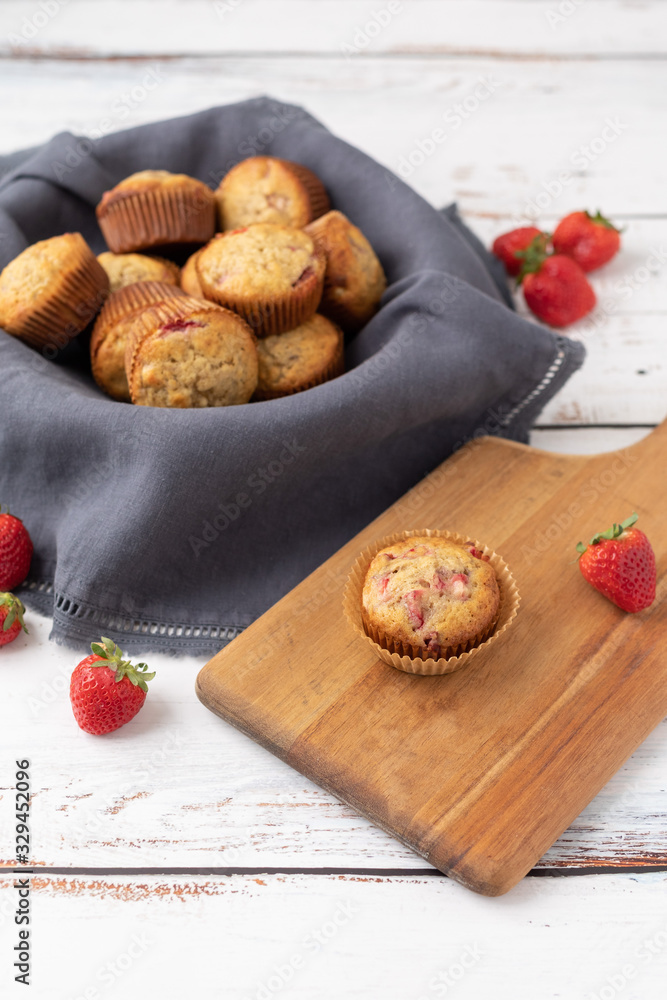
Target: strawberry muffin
[112, 328]
[429, 597]
[271, 275]
[299, 359]
[267, 189]
[156, 208]
[187, 353]
[127, 268]
[51, 292]
[354, 280]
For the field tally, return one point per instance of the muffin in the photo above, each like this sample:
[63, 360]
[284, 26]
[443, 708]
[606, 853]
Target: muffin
[429, 597]
[354, 280]
[190, 279]
[156, 208]
[187, 353]
[127, 268]
[111, 330]
[271, 275]
[267, 189]
[299, 359]
[51, 292]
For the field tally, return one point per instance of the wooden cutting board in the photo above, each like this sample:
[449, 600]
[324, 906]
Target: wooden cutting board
[481, 770]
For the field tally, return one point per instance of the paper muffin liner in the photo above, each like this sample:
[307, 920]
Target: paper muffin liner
[405, 658]
[315, 189]
[269, 315]
[158, 216]
[135, 296]
[333, 370]
[78, 297]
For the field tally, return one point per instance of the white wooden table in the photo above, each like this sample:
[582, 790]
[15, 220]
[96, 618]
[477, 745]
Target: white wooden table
[176, 856]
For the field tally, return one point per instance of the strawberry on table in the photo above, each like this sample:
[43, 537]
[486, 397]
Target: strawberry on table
[15, 551]
[554, 286]
[107, 691]
[507, 245]
[11, 618]
[620, 563]
[591, 240]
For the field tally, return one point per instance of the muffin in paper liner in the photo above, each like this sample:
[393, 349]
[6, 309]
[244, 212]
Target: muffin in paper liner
[308, 200]
[335, 368]
[177, 381]
[156, 208]
[460, 656]
[274, 312]
[66, 305]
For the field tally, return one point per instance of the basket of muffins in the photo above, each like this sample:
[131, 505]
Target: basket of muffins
[271, 282]
[429, 601]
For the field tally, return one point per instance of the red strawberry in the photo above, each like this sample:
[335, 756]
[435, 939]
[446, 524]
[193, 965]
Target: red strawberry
[620, 563]
[107, 691]
[591, 240]
[507, 245]
[15, 552]
[11, 618]
[554, 286]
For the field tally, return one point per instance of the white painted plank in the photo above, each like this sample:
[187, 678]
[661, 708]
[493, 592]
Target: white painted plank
[177, 787]
[304, 937]
[364, 27]
[488, 160]
[586, 440]
[624, 377]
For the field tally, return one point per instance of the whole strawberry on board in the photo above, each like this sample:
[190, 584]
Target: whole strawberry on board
[507, 245]
[620, 563]
[11, 618]
[591, 240]
[15, 551]
[554, 286]
[107, 691]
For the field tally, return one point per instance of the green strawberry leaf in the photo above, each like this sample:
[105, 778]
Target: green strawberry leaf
[601, 220]
[15, 610]
[615, 531]
[112, 657]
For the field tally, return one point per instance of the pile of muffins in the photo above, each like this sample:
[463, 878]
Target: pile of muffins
[259, 309]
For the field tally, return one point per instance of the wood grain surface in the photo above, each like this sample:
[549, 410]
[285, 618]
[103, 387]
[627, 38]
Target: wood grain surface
[481, 770]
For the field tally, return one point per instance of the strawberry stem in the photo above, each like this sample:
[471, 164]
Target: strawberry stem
[112, 657]
[615, 531]
[15, 611]
[601, 220]
[533, 256]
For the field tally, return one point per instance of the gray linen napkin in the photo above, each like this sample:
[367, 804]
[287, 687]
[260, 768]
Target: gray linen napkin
[174, 529]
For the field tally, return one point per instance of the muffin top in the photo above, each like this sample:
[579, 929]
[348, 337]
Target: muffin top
[263, 189]
[127, 268]
[430, 592]
[258, 260]
[288, 361]
[150, 180]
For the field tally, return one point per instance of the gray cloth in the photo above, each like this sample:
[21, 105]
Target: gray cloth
[174, 529]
